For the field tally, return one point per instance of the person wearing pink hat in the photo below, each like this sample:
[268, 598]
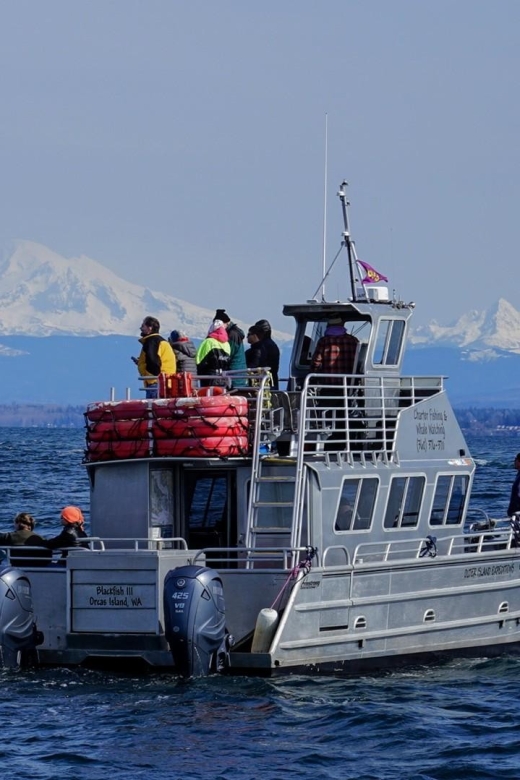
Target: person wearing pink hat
[213, 355]
[73, 530]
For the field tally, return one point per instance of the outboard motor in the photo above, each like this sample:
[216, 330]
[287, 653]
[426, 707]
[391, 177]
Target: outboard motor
[18, 634]
[195, 621]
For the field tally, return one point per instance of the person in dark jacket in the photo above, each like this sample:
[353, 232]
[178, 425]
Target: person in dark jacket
[184, 350]
[336, 350]
[237, 361]
[24, 535]
[72, 533]
[514, 501]
[263, 352]
[213, 355]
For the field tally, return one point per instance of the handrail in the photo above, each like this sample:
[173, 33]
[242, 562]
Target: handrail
[23, 547]
[158, 542]
[469, 543]
[257, 554]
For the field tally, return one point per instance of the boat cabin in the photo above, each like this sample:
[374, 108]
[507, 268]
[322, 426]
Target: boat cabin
[381, 331]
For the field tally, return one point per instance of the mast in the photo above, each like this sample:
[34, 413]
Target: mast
[324, 272]
[346, 236]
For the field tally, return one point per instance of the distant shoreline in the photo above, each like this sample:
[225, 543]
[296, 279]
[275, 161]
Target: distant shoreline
[488, 421]
[41, 416]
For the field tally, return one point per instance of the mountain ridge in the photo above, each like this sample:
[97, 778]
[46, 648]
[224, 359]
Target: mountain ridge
[495, 328]
[69, 326]
[45, 294]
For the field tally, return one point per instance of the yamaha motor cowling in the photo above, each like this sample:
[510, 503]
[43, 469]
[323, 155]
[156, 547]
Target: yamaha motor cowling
[18, 634]
[195, 621]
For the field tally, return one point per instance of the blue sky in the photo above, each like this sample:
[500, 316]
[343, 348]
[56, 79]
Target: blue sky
[181, 144]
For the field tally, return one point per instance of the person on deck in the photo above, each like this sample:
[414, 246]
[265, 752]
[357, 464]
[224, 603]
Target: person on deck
[213, 355]
[263, 351]
[514, 501]
[156, 355]
[335, 352]
[237, 360]
[73, 530]
[24, 535]
[184, 350]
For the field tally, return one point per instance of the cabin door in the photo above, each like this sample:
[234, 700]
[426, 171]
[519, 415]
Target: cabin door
[209, 511]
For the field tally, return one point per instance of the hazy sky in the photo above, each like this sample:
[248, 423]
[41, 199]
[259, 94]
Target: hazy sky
[181, 144]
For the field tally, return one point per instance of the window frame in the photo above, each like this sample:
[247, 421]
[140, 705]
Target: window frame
[371, 483]
[450, 493]
[403, 502]
[388, 342]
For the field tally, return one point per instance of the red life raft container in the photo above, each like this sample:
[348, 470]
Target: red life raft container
[118, 450]
[118, 410]
[206, 406]
[207, 426]
[204, 447]
[117, 430]
[199, 427]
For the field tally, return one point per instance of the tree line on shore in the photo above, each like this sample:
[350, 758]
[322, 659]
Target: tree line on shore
[41, 416]
[485, 420]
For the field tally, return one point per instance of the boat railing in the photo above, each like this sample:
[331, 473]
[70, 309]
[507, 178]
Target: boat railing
[353, 413]
[336, 555]
[126, 544]
[247, 558]
[335, 413]
[27, 555]
[500, 537]
[332, 412]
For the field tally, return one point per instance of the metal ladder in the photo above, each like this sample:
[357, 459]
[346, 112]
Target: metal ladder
[268, 495]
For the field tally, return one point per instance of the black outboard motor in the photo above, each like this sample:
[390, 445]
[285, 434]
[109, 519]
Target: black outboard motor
[18, 634]
[195, 621]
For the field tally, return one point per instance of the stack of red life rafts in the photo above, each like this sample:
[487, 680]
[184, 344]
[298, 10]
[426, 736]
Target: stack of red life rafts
[182, 422]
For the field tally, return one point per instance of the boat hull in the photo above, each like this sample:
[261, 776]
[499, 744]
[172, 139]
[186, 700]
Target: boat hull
[103, 606]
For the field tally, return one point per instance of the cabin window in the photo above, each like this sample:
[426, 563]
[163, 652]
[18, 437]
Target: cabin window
[389, 341]
[308, 341]
[305, 347]
[356, 505]
[449, 499]
[161, 500]
[404, 502]
[206, 501]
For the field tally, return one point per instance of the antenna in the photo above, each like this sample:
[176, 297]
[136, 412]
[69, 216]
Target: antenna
[347, 241]
[325, 209]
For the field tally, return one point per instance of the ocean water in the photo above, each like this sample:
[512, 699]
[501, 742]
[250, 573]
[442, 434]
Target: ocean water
[438, 722]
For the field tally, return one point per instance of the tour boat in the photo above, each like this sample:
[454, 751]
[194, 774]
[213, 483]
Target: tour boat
[322, 527]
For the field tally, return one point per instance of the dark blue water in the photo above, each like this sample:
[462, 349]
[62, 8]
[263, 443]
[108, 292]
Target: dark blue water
[458, 720]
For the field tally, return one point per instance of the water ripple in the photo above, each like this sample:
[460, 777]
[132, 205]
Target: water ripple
[428, 723]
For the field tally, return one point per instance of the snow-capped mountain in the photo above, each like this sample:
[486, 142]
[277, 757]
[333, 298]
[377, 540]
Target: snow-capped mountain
[90, 314]
[45, 294]
[483, 332]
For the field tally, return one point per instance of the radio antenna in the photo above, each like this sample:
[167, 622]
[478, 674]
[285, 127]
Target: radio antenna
[324, 274]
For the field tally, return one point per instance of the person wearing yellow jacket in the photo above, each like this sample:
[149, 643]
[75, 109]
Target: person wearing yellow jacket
[156, 355]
